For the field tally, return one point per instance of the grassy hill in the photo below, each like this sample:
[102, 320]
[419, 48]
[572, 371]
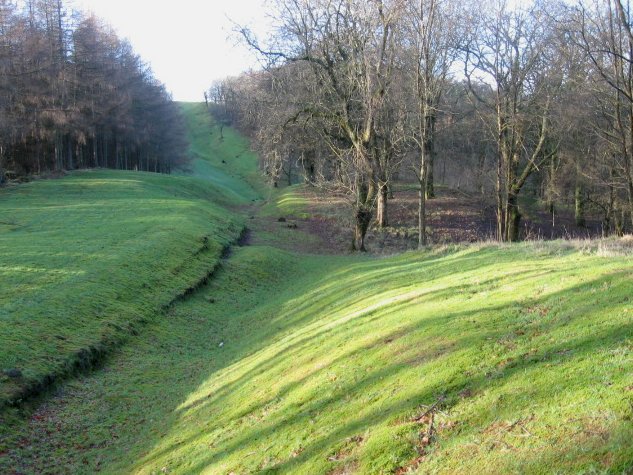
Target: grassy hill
[222, 158]
[461, 359]
[85, 259]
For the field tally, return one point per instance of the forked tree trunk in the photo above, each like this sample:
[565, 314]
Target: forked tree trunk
[366, 192]
[425, 173]
[362, 217]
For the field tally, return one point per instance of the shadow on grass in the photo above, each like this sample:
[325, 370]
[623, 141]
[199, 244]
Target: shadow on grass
[290, 347]
[459, 345]
[492, 376]
[528, 367]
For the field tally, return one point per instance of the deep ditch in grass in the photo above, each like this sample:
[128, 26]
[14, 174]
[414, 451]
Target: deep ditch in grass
[461, 359]
[93, 357]
[466, 359]
[88, 259]
[227, 251]
[80, 278]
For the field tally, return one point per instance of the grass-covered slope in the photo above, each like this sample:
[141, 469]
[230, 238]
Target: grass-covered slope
[86, 258]
[223, 158]
[529, 352]
[520, 358]
[289, 364]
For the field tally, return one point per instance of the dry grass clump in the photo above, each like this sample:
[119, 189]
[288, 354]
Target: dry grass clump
[615, 247]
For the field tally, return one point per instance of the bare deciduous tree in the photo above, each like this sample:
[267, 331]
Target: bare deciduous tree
[508, 52]
[430, 39]
[350, 49]
[606, 33]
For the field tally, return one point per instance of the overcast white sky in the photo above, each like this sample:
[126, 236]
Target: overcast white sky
[185, 41]
[189, 43]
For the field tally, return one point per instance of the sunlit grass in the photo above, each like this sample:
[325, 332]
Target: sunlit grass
[85, 258]
[225, 160]
[335, 366]
[289, 363]
[530, 351]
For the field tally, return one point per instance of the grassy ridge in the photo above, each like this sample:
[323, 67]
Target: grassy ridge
[294, 364]
[530, 349]
[290, 363]
[84, 259]
[223, 159]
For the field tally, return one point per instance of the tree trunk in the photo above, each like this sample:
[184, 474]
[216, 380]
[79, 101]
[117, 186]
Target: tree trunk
[425, 173]
[422, 241]
[58, 152]
[381, 218]
[550, 186]
[513, 220]
[2, 177]
[579, 199]
[430, 187]
[429, 153]
[630, 193]
[422, 197]
[289, 174]
[500, 213]
[619, 223]
[362, 219]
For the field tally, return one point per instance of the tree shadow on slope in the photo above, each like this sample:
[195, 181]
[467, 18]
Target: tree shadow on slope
[282, 348]
[491, 376]
[278, 337]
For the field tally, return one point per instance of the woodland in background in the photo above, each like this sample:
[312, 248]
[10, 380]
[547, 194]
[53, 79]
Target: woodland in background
[74, 95]
[513, 104]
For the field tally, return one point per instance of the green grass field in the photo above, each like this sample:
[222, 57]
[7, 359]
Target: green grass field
[293, 363]
[85, 259]
[224, 160]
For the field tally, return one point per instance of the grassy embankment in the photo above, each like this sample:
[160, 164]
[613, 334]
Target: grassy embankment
[224, 160]
[87, 258]
[290, 363]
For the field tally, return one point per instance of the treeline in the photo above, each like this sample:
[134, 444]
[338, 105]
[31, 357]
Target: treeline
[514, 102]
[74, 95]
